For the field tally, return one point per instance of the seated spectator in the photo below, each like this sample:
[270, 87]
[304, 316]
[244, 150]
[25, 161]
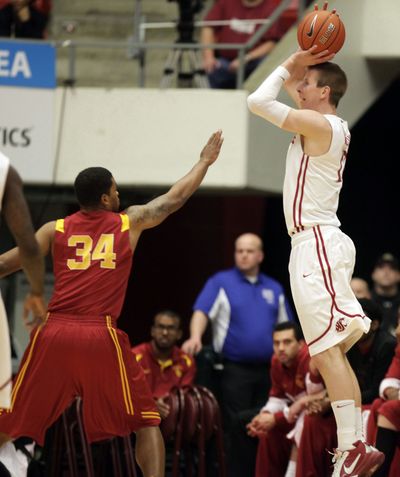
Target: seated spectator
[164, 364]
[384, 419]
[370, 358]
[360, 288]
[221, 66]
[386, 289]
[24, 18]
[276, 456]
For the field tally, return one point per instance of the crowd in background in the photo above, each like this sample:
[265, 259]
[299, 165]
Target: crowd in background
[276, 412]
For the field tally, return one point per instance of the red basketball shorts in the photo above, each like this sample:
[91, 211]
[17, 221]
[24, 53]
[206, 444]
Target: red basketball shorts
[83, 356]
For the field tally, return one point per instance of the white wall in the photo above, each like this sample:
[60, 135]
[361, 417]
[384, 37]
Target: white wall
[381, 29]
[152, 137]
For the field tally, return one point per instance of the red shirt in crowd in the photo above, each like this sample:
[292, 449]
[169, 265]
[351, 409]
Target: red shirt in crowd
[177, 371]
[289, 382]
[237, 31]
[43, 6]
[394, 368]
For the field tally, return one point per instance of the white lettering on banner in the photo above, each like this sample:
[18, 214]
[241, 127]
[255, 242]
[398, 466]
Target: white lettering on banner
[21, 65]
[4, 54]
[14, 66]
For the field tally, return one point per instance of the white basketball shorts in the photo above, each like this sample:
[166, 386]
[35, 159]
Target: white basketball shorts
[5, 360]
[321, 266]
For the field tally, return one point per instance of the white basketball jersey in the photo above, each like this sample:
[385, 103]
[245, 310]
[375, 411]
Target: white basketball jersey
[313, 183]
[4, 165]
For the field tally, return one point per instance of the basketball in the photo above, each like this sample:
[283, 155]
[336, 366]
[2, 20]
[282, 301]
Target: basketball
[322, 28]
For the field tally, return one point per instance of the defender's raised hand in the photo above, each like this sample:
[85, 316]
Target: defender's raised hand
[211, 150]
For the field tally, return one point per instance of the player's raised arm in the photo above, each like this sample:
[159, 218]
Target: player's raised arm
[157, 210]
[264, 103]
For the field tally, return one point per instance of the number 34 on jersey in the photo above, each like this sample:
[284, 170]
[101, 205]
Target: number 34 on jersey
[86, 251]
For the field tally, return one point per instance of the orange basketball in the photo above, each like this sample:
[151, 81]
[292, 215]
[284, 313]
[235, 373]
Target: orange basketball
[322, 28]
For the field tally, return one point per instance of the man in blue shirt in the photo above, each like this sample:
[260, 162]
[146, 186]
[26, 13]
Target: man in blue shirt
[243, 306]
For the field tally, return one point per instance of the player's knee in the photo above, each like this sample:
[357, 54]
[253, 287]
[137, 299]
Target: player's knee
[327, 357]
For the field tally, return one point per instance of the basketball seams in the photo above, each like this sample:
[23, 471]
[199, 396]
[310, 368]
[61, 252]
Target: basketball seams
[317, 33]
[300, 33]
[333, 38]
[339, 38]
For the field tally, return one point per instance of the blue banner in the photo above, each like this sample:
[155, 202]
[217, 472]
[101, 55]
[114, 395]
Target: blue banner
[27, 65]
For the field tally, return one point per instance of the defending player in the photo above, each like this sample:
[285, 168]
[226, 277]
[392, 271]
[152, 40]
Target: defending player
[79, 350]
[16, 214]
[322, 257]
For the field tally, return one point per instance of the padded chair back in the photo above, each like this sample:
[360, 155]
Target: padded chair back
[70, 434]
[172, 426]
[212, 426]
[192, 422]
[169, 424]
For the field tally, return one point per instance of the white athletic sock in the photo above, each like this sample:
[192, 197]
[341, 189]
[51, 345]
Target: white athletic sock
[344, 412]
[291, 469]
[359, 425]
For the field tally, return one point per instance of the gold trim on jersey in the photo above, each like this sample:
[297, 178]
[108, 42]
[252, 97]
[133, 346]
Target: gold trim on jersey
[60, 225]
[150, 415]
[124, 379]
[21, 374]
[187, 359]
[124, 222]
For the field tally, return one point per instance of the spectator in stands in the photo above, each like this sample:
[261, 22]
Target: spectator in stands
[386, 289]
[384, 419]
[370, 358]
[360, 288]
[221, 66]
[165, 365]
[276, 456]
[243, 305]
[24, 18]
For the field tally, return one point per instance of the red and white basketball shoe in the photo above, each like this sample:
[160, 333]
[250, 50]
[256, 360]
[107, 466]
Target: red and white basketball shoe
[361, 461]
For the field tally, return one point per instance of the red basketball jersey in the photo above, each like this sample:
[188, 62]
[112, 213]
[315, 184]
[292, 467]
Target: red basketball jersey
[92, 260]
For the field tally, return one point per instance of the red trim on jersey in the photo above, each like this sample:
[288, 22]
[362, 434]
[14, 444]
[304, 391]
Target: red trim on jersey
[297, 191]
[302, 190]
[329, 286]
[341, 167]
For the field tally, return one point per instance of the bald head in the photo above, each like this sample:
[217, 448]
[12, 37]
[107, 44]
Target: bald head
[249, 253]
[360, 288]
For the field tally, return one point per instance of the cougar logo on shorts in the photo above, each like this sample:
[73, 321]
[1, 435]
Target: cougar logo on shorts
[340, 325]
